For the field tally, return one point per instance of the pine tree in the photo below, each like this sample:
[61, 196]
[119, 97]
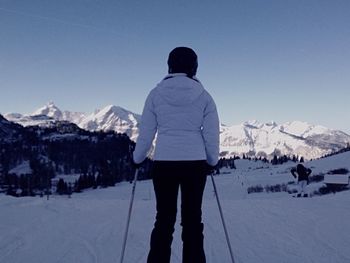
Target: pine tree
[60, 187]
[274, 161]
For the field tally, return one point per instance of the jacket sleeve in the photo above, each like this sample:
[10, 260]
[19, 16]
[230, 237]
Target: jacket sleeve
[211, 132]
[147, 131]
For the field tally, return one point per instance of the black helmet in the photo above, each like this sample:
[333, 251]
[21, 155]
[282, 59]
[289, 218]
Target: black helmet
[183, 60]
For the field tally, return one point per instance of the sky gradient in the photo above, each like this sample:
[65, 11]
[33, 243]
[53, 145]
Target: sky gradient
[280, 60]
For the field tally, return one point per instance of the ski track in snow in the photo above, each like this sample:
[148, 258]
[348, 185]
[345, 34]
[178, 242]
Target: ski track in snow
[89, 227]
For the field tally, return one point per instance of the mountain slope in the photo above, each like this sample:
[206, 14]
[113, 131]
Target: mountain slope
[52, 111]
[49, 110]
[112, 118]
[266, 139]
[9, 130]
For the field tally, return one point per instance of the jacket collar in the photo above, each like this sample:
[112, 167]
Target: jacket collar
[172, 75]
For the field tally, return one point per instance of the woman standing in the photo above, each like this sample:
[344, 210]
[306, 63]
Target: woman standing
[184, 116]
[302, 174]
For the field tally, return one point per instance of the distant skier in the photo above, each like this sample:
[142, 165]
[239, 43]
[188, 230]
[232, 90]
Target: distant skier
[184, 116]
[301, 173]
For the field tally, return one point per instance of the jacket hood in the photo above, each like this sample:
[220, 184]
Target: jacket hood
[178, 89]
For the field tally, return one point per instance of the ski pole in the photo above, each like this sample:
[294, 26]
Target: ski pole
[222, 218]
[129, 216]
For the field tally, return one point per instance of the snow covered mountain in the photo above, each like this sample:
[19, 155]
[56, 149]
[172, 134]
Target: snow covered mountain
[107, 119]
[45, 116]
[112, 118]
[52, 111]
[267, 139]
[30, 120]
[251, 138]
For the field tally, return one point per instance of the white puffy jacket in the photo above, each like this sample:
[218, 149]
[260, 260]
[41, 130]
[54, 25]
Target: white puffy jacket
[184, 116]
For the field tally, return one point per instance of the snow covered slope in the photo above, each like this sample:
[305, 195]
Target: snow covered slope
[263, 228]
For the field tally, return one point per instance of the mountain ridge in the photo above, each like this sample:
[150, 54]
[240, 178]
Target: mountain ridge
[251, 138]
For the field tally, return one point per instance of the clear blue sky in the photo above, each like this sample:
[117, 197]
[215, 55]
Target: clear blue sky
[265, 60]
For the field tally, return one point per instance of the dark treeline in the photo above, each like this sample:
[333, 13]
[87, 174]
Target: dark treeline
[230, 162]
[345, 149]
[101, 159]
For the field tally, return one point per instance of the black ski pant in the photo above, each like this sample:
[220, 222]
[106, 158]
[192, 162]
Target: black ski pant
[168, 177]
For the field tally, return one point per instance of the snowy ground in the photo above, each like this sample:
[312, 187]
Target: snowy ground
[263, 227]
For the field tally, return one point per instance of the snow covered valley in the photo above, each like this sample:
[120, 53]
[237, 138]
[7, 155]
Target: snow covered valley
[263, 227]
